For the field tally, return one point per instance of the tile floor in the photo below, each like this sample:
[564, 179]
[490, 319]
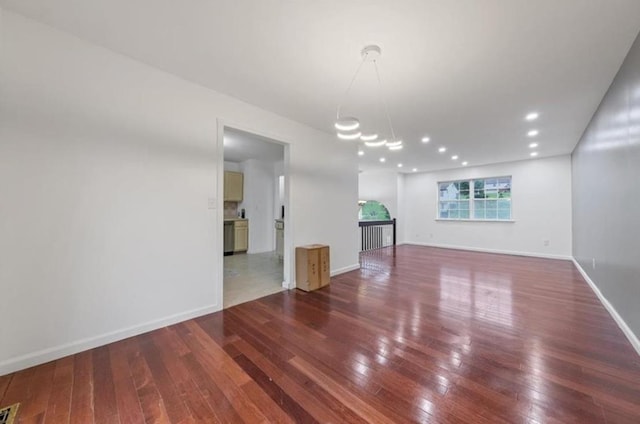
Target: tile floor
[251, 276]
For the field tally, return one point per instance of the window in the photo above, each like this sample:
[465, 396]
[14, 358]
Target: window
[372, 210]
[487, 199]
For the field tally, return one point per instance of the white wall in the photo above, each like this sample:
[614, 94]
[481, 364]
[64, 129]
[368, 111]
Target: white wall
[381, 186]
[232, 166]
[541, 193]
[108, 168]
[258, 199]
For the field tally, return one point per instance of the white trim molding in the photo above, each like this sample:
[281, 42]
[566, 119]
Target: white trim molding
[50, 354]
[345, 269]
[631, 336]
[501, 252]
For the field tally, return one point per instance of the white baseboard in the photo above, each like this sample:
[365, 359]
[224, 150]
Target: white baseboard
[633, 339]
[50, 354]
[333, 273]
[483, 250]
[342, 270]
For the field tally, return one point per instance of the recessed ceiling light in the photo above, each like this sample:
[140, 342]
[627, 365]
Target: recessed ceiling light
[426, 139]
[454, 157]
[533, 145]
[534, 154]
[360, 152]
[532, 116]
[415, 169]
[375, 143]
[398, 147]
[442, 149]
[382, 159]
[533, 133]
[399, 165]
[465, 163]
[369, 137]
[352, 136]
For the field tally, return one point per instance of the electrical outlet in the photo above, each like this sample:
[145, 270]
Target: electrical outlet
[545, 242]
[430, 235]
[593, 263]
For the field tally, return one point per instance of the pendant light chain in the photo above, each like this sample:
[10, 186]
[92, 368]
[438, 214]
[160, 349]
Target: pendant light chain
[346, 93]
[384, 101]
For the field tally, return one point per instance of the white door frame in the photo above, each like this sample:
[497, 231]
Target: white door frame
[288, 222]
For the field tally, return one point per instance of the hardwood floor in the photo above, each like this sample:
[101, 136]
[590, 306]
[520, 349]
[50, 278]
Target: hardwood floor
[417, 335]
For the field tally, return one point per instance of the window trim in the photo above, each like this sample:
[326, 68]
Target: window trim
[471, 180]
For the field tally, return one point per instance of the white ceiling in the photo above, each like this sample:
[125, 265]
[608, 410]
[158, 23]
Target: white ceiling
[464, 72]
[240, 146]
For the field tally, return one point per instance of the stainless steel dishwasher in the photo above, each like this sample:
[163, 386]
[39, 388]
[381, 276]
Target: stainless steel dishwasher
[229, 242]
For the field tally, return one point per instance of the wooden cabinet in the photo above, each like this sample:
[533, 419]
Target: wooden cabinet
[241, 236]
[313, 269]
[233, 186]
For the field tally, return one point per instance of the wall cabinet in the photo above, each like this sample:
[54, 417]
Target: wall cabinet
[241, 236]
[233, 186]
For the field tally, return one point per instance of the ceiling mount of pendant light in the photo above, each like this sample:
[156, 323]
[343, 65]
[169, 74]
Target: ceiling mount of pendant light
[370, 54]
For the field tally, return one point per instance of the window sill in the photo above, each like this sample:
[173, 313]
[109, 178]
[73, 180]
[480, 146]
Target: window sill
[476, 220]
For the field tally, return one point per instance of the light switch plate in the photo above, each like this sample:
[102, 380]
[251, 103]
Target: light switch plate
[211, 202]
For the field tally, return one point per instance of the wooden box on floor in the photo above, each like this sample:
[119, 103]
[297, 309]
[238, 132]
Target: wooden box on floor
[313, 268]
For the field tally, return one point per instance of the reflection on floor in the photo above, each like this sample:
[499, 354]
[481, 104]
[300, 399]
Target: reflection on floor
[251, 276]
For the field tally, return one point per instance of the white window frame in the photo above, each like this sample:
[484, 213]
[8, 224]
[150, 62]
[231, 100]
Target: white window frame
[471, 199]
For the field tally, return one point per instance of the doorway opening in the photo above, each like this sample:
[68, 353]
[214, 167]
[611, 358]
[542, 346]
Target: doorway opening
[255, 200]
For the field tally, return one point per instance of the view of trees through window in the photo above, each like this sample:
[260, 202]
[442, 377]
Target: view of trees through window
[372, 210]
[483, 199]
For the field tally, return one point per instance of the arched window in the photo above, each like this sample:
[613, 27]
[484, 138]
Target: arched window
[372, 210]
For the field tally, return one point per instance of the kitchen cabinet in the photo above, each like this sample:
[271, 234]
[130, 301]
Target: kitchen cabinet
[241, 235]
[233, 186]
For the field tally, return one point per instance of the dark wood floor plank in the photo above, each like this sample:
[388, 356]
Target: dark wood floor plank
[317, 402]
[355, 403]
[222, 408]
[127, 401]
[35, 404]
[173, 403]
[82, 390]
[5, 380]
[151, 403]
[197, 406]
[59, 408]
[286, 402]
[104, 393]
[418, 334]
[19, 387]
[223, 369]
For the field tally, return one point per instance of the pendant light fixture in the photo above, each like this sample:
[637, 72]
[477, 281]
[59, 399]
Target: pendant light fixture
[348, 127]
